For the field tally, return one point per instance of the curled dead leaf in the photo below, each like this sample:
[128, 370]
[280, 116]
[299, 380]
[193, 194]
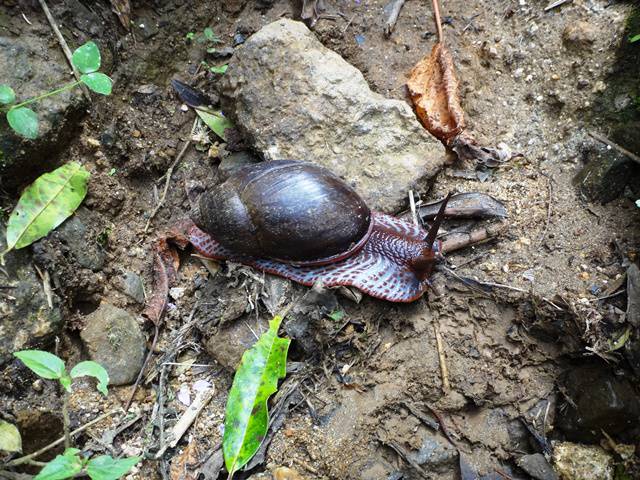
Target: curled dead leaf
[123, 11]
[433, 87]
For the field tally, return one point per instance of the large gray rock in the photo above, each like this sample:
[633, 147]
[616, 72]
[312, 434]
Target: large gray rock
[26, 318]
[115, 340]
[293, 98]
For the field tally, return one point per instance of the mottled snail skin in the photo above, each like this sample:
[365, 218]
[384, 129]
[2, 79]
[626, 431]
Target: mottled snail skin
[385, 257]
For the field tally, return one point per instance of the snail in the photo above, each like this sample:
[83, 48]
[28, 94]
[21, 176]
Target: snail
[300, 221]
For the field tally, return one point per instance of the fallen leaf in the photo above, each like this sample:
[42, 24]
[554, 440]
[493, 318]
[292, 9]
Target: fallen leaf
[183, 466]
[10, 439]
[123, 11]
[433, 87]
[247, 417]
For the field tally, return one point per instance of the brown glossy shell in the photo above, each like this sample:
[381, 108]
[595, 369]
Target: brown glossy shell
[291, 211]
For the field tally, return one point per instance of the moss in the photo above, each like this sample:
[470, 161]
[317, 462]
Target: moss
[619, 105]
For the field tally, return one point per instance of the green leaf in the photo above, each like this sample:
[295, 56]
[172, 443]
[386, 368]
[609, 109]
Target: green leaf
[60, 468]
[210, 36]
[92, 369]
[105, 467]
[44, 364]
[635, 38]
[7, 95]
[45, 204]
[86, 58]
[256, 379]
[220, 69]
[216, 122]
[10, 439]
[98, 82]
[24, 121]
[621, 340]
[336, 315]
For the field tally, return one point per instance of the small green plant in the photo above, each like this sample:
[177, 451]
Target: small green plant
[24, 121]
[207, 36]
[219, 69]
[72, 463]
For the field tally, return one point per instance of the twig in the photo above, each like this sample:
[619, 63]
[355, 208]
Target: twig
[446, 387]
[553, 5]
[187, 418]
[436, 13]
[65, 419]
[65, 47]
[31, 456]
[622, 150]
[464, 239]
[608, 296]
[166, 183]
[412, 204]
[160, 401]
[400, 451]
[144, 366]
[394, 12]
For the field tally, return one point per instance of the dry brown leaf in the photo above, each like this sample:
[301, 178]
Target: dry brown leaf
[123, 10]
[433, 87]
[183, 466]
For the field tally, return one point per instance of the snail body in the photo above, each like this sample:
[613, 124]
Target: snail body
[300, 221]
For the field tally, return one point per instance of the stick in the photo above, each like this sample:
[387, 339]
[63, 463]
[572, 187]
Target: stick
[622, 150]
[476, 236]
[187, 418]
[166, 183]
[446, 387]
[31, 456]
[65, 47]
[144, 366]
[436, 13]
[553, 5]
[412, 204]
[394, 12]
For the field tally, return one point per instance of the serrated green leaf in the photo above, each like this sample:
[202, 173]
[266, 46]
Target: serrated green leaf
[24, 121]
[7, 95]
[46, 203]
[44, 364]
[105, 467]
[92, 369]
[97, 82]
[247, 415]
[220, 69]
[10, 439]
[60, 468]
[86, 58]
[216, 122]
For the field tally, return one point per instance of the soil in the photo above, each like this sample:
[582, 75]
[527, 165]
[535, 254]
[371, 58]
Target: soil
[369, 384]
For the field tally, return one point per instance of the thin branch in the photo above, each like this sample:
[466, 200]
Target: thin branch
[436, 13]
[620, 149]
[65, 47]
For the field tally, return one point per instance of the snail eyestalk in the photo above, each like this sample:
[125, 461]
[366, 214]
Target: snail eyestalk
[437, 222]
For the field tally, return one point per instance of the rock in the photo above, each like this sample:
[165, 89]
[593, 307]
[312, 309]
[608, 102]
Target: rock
[579, 35]
[81, 241]
[599, 401]
[606, 174]
[32, 67]
[537, 466]
[26, 319]
[284, 473]
[435, 454]
[115, 340]
[227, 344]
[581, 462]
[295, 99]
[133, 287]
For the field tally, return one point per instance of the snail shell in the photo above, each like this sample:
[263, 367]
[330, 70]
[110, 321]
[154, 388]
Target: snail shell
[285, 210]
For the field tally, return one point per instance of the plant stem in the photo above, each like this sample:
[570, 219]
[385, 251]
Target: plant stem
[436, 13]
[68, 86]
[31, 456]
[65, 420]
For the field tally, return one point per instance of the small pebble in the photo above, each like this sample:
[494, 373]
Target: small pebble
[136, 133]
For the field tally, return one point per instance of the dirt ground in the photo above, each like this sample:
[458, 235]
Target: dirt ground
[365, 388]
